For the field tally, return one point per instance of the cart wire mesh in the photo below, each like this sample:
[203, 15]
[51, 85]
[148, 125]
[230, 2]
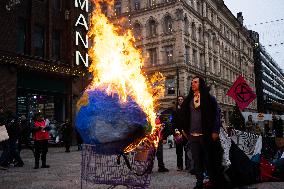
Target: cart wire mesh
[131, 170]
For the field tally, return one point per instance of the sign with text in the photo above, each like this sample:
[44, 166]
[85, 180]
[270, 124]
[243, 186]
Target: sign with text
[81, 23]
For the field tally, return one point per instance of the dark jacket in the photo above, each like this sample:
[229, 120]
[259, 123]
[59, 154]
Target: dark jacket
[13, 126]
[177, 119]
[210, 114]
[66, 130]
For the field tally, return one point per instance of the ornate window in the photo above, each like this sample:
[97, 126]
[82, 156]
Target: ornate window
[186, 25]
[187, 55]
[170, 86]
[38, 41]
[152, 56]
[151, 3]
[137, 30]
[168, 24]
[193, 31]
[136, 4]
[152, 28]
[198, 7]
[56, 45]
[169, 54]
[117, 7]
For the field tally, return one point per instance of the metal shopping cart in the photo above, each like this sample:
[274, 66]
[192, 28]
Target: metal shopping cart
[131, 170]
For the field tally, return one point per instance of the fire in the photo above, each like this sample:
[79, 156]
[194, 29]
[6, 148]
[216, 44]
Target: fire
[117, 68]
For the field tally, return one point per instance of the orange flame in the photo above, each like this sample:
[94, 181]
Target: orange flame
[116, 67]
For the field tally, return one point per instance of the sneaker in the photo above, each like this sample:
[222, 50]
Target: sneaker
[163, 169]
[36, 167]
[45, 166]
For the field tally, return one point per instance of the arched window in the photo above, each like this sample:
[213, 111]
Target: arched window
[168, 24]
[193, 30]
[152, 28]
[214, 42]
[151, 3]
[136, 4]
[200, 35]
[117, 7]
[198, 7]
[137, 30]
[186, 25]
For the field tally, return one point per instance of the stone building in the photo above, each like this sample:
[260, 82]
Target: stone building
[183, 38]
[37, 57]
[269, 80]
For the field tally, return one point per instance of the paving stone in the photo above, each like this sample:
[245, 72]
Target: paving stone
[64, 173]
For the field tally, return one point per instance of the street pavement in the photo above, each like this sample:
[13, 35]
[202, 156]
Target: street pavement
[64, 173]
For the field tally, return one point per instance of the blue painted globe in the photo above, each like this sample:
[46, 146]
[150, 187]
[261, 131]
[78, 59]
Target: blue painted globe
[109, 125]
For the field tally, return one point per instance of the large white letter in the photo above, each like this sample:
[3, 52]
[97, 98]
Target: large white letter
[78, 55]
[85, 3]
[84, 23]
[78, 35]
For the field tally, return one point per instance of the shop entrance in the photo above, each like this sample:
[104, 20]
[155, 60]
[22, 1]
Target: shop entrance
[45, 94]
[52, 106]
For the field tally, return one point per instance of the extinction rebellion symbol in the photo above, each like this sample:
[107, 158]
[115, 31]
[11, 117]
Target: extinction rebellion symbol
[243, 93]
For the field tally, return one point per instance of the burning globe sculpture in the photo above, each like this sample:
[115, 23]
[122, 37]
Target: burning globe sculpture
[117, 110]
[110, 125]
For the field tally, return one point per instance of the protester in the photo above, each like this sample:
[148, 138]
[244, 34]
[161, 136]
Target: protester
[25, 134]
[201, 122]
[180, 140]
[66, 130]
[40, 136]
[14, 131]
[250, 124]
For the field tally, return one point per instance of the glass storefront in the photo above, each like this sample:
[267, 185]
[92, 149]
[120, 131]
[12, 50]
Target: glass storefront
[47, 95]
[52, 106]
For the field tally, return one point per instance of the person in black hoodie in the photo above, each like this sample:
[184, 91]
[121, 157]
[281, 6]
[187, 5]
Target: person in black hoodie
[13, 129]
[180, 140]
[201, 122]
[25, 134]
[67, 130]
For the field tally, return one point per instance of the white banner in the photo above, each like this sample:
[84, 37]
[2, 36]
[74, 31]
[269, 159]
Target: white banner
[260, 116]
[3, 133]
[246, 142]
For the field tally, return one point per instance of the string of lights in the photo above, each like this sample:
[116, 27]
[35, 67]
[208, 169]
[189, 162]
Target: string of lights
[38, 65]
[276, 44]
[267, 22]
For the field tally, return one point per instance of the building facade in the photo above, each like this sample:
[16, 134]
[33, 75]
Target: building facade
[37, 57]
[184, 38]
[269, 80]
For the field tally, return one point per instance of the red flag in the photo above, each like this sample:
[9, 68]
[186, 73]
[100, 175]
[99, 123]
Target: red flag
[241, 93]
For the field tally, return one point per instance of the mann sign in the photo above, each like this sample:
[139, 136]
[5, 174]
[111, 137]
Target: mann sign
[83, 40]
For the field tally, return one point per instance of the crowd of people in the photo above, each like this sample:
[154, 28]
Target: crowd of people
[35, 134]
[195, 123]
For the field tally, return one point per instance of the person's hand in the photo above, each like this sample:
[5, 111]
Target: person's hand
[164, 141]
[215, 136]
